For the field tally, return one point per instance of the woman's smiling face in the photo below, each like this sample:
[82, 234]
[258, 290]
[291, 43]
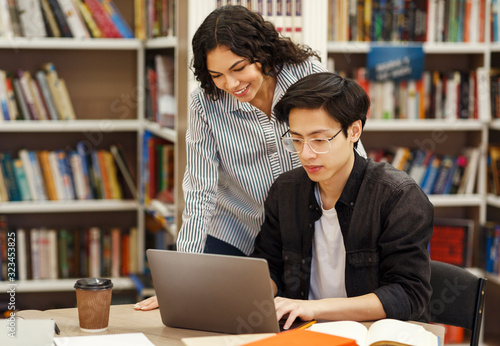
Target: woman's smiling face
[235, 74]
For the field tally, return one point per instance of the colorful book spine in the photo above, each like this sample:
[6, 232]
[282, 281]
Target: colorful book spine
[39, 185]
[7, 166]
[117, 18]
[21, 180]
[102, 19]
[81, 149]
[47, 95]
[60, 18]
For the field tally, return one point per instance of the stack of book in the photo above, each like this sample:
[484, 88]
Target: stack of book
[157, 169]
[50, 253]
[62, 18]
[286, 15]
[491, 243]
[435, 173]
[447, 95]
[154, 18]
[160, 99]
[413, 21]
[42, 96]
[81, 174]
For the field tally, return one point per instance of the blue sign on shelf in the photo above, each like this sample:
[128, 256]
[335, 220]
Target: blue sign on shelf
[389, 62]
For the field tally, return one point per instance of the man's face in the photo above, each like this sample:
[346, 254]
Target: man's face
[307, 124]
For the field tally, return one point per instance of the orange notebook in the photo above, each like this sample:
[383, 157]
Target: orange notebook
[300, 337]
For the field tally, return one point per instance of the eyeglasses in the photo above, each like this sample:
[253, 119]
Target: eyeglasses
[318, 145]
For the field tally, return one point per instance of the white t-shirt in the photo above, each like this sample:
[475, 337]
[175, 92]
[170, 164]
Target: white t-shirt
[328, 256]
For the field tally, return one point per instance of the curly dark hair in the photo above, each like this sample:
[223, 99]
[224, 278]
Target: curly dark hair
[248, 35]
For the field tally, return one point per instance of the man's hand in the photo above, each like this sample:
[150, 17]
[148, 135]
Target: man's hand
[295, 308]
[147, 304]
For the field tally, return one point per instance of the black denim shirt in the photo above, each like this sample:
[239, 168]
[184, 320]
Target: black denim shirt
[386, 222]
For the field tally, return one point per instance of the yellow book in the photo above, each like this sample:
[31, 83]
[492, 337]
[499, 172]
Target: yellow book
[116, 191]
[89, 20]
[53, 81]
[51, 20]
[140, 19]
[67, 106]
[43, 157]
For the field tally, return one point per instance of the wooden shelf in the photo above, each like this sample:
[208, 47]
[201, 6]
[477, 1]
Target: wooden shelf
[58, 285]
[495, 124]
[73, 206]
[423, 125]
[102, 125]
[162, 132]
[161, 42]
[475, 200]
[429, 48]
[70, 43]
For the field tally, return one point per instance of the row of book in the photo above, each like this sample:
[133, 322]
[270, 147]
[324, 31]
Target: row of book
[154, 18]
[286, 15]
[43, 96]
[157, 170]
[62, 18]
[40, 175]
[401, 20]
[491, 234]
[493, 169]
[160, 99]
[49, 253]
[437, 95]
[437, 174]
[495, 21]
[494, 84]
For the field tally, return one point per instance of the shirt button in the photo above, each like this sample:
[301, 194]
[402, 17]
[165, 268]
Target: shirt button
[303, 261]
[310, 225]
[352, 204]
[302, 294]
[310, 206]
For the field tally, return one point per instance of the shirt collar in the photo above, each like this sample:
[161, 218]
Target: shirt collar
[351, 189]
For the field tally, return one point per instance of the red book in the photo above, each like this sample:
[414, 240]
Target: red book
[102, 19]
[125, 268]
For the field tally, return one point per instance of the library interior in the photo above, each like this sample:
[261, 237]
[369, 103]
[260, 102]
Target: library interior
[95, 108]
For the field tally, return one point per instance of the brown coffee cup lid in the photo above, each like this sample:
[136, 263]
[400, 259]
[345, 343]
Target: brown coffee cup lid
[93, 284]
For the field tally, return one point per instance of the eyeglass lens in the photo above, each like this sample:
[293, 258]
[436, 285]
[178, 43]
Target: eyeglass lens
[317, 145]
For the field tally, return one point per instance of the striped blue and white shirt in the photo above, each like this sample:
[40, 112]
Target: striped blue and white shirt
[234, 154]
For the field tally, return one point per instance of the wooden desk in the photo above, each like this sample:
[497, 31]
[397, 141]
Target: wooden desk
[124, 319]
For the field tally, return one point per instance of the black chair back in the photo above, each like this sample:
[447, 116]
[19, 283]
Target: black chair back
[457, 298]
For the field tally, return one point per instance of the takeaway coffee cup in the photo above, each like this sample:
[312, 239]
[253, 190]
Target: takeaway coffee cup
[93, 299]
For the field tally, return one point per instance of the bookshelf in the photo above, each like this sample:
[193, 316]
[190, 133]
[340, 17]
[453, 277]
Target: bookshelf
[106, 82]
[101, 73]
[445, 136]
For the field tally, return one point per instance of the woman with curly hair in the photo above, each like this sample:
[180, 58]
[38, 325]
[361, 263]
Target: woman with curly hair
[233, 141]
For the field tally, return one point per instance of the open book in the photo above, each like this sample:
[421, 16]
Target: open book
[382, 332]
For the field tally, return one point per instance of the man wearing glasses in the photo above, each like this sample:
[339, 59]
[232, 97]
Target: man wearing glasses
[345, 238]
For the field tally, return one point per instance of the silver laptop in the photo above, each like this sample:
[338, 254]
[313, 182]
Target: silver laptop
[217, 293]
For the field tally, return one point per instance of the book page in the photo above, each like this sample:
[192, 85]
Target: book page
[401, 333]
[346, 329]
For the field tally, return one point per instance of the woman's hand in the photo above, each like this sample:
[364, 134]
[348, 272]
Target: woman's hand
[294, 308]
[147, 304]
